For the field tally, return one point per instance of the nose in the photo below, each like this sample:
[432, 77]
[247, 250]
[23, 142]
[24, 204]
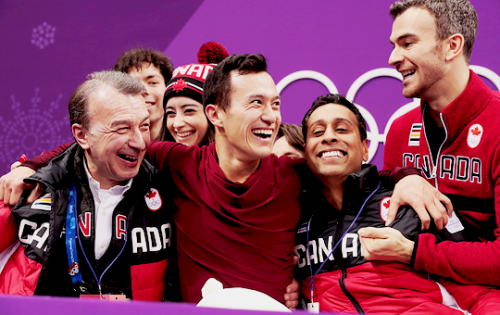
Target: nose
[139, 139]
[396, 57]
[329, 135]
[269, 115]
[178, 121]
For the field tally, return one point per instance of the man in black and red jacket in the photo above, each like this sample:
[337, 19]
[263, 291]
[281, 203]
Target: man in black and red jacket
[102, 225]
[341, 197]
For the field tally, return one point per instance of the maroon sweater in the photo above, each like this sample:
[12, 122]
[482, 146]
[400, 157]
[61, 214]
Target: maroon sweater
[468, 171]
[240, 234]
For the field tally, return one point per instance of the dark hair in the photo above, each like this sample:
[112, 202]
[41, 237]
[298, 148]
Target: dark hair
[293, 135]
[135, 58]
[452, 17]
[335, 99]
[217, 87]
[96, 81]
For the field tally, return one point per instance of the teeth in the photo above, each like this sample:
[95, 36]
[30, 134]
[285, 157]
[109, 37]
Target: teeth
[130, 158]
[407, 73]
[337, 154]
[263, 132]
[185, 134]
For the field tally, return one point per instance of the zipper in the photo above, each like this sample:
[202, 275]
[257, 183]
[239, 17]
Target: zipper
[341, 260]
[351, 298]
[435, 165]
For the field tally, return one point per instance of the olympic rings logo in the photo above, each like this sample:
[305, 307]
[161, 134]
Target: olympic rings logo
[374, 134]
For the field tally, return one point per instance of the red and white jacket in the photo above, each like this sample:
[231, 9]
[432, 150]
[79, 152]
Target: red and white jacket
[467, 170]
[40, 265]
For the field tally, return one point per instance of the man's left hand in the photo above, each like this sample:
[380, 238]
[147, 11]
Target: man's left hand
[386, 244]
[425, 199]
[292, 294]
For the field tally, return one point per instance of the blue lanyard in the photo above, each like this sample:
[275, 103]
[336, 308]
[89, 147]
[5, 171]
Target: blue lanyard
[71, 226]
[72, 231]
[333, 249]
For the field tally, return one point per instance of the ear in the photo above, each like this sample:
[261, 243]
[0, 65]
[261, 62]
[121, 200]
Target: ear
[81, 135]
[454, 46]
[365, 150]
[213, 113]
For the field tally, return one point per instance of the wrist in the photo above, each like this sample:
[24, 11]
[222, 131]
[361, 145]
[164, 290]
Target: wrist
[407, 251]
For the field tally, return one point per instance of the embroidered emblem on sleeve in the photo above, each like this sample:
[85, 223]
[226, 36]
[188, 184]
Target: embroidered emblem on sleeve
[42, 203]
[415, 135]
[384, 208]
[475, 135]
[153, 199]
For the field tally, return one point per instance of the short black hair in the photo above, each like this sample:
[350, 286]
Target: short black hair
[335, 99]
[135, 58]
[217, 87]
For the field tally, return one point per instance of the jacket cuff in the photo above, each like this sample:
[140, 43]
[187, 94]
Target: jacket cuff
[400, 172]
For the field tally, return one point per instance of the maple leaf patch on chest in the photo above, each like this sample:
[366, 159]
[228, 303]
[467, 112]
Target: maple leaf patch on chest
[153, 199]
[384, 208]
[474, 136]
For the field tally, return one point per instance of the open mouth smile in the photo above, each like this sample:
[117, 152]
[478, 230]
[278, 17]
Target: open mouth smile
[263, 133]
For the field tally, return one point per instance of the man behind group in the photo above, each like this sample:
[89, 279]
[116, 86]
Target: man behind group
[342, 197]
[458, 149]
[154, 70]
[120, 243]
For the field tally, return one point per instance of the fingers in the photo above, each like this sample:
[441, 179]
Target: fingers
[12, 184]
[371, 232]
[15, 165]
[295, 260]
[292, 294]
[364, 249]
[447, 203]
[393, 210]
[35, 194]
[15, 194]
[292, 304]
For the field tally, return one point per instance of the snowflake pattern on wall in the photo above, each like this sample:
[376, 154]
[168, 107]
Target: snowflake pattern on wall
[43, 35]
[31, 131]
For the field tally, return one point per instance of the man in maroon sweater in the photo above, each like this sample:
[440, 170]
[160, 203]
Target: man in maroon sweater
[453, 138]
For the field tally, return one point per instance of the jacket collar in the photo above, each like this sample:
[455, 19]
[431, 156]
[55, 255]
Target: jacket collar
[466, 107]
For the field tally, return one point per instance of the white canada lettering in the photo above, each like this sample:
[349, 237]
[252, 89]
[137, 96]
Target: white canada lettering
[151, 239]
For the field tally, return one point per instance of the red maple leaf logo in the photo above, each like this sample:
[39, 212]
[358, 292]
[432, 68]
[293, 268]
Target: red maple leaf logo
[475, 131]
[151, 194]
[387, 203]
[179, 85]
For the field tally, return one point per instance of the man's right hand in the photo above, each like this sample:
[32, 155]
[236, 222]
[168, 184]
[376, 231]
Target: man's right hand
[12, 186]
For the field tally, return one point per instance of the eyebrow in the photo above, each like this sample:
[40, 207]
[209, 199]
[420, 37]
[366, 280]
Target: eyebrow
[152, 76]
[322, 121]
[127, 121]
[277, 97]
[184, 105]
[403, 37]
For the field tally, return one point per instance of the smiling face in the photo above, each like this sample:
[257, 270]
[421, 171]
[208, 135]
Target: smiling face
[250, 123]
[186, 120]
[417, 54]
[117, 137]
[334, 147]
[154, 82]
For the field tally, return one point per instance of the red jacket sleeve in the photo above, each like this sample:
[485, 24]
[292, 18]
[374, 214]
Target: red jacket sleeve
[43, 159]
[8, 231]
[466, 262]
